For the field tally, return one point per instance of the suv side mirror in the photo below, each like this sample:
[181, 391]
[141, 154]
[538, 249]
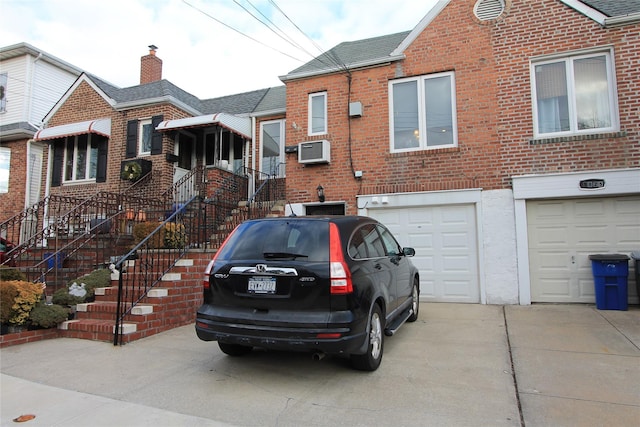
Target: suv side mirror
[408, 251]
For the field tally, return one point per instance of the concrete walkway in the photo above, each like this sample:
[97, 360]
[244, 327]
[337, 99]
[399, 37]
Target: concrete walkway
[458, 365]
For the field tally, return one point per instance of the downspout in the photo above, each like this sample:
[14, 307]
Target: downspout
[253, 154]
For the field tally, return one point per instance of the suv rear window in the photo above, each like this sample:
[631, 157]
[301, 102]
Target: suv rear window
[292, 239]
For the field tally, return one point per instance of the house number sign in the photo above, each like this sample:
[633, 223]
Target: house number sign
[592, 184]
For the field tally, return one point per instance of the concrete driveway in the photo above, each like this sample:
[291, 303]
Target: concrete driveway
[458, 365]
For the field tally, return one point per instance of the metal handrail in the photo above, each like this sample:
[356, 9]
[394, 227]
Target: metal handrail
[135, 281]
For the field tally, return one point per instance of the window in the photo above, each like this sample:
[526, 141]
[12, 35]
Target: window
[80, 158]
[272, 146]
[5, 165]
[318, 113]
[391, 246]
[423, 113]
[224, 149]
[144, 137]
[3, 92]
[574, 95]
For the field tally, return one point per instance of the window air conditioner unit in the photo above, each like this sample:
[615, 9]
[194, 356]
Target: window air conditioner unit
[314, 152]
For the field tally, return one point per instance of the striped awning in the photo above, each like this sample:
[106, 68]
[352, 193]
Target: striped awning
[237, 125]
[98, 126]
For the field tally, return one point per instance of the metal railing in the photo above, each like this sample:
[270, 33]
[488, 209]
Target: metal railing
[143, 267]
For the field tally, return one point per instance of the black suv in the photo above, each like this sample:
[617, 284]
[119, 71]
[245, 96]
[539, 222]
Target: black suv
[328, 285]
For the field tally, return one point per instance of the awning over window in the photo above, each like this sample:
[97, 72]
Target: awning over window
[99, 126]
[237, 125]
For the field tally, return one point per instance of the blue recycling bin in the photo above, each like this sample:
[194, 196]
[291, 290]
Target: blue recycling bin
[54, 260]
[610, 276]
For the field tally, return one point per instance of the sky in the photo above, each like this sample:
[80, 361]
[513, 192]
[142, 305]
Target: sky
[209, 48]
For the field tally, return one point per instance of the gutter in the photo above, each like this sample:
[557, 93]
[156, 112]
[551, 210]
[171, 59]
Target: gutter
[617, 21]
[354, 66]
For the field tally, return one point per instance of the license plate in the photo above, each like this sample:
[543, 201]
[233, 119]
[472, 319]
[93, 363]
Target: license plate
[262, 285]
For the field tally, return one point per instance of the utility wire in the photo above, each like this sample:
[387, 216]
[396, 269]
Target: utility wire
[238, 31]
[280, 33]
[333, 59]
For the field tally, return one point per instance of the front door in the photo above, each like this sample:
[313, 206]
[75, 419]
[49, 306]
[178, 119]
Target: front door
[185, 150]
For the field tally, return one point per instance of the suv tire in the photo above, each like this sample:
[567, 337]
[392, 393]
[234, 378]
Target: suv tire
[375, 343]
[415, 301]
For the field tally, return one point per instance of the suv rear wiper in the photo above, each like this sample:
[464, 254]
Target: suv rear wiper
[284, 255]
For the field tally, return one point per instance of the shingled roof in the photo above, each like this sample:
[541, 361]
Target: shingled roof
[614, 8]
[244, 103]
[352, 54]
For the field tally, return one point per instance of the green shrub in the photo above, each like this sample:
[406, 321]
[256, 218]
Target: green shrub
[8, 294]
[100, 278]
[26, 299]
[48, 316]
[11, 273]
[143, 229]
[174, 235]
[63, 297]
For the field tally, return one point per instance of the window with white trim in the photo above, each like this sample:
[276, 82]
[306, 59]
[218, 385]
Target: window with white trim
[144, 137]
[5, 166]
[272, 148]
[80, 158]
[574, 95]
[3, 92]
[423, 113]
[318, 113]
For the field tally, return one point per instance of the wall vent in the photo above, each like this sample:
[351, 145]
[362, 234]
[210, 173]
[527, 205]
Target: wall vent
[486, 10]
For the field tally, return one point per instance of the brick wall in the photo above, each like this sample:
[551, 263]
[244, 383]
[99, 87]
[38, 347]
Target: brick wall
[545, 27]
[85, 104]
[13, 202]
[494, 113]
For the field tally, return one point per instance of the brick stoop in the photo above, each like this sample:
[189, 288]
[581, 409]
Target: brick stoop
[24, 337]
[172, 304]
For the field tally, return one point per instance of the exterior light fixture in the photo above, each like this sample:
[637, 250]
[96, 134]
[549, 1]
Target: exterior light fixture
[320, 191]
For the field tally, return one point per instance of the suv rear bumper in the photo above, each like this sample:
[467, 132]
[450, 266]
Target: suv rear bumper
[330, 338]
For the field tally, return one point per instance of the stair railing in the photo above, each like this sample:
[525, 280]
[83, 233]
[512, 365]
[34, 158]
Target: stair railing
[143, 267]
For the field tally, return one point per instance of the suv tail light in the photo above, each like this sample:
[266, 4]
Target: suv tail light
[207, 272]
[340, 274]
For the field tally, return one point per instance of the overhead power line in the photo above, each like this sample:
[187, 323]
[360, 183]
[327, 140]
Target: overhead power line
[238, 31]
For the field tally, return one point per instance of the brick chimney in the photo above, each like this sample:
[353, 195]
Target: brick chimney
[150, 67]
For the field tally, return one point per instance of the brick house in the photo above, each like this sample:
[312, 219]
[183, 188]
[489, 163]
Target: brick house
[498, 138]
[475, 137]
[155, 124]
[31, 82]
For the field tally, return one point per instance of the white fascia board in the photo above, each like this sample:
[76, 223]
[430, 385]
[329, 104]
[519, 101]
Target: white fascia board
[424, 23]
[587, 11]
[267, 113]
[616, 21]
[83, 78]
[566, 185]
[158, 100]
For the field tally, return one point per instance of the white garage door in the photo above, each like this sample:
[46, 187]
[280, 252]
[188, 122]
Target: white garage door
[445, 241]
[563, 233]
